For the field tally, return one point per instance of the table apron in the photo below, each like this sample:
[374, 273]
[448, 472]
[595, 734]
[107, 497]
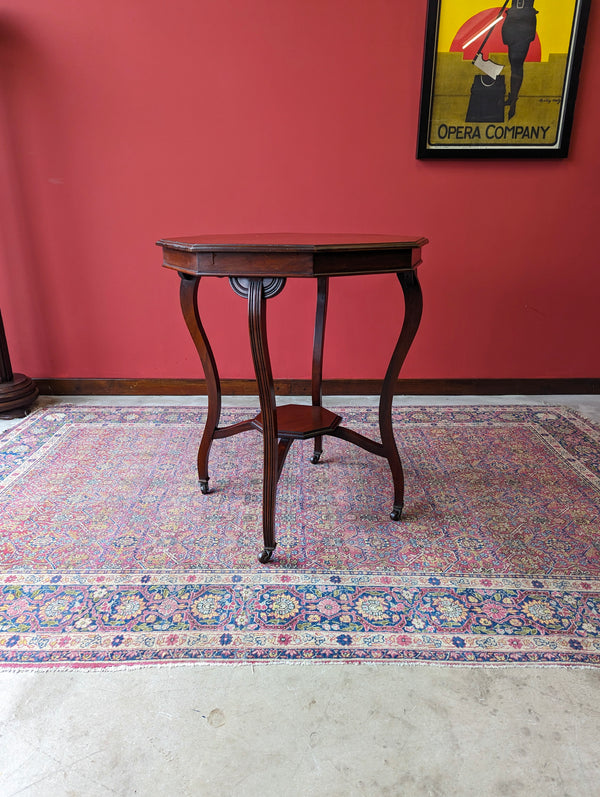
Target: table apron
[268, 264]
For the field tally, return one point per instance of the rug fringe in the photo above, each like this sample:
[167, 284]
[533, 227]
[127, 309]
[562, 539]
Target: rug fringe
[88, 670]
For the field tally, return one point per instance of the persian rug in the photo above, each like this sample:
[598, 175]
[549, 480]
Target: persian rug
[111, 555]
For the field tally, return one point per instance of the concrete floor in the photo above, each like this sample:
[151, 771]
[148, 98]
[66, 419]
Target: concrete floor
[304, 729]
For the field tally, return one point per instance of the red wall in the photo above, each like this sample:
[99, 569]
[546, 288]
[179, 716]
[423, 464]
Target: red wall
[124, 121]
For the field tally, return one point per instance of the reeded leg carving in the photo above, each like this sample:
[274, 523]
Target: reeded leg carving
[189, 305]
[413, 306]
[317, 361]
[257, 323]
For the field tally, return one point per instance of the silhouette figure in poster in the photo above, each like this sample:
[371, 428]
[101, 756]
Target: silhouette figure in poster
[518, 31]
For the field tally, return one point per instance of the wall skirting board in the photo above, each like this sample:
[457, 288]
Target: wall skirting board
[331, 387]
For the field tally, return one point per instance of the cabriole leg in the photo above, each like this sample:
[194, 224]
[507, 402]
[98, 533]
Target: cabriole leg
[188, 296]
[317, 361]
[413, 306]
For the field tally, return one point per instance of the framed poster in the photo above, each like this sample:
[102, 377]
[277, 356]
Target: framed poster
[500, 81]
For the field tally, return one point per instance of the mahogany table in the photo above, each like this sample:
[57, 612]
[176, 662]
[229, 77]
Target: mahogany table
[257, 267]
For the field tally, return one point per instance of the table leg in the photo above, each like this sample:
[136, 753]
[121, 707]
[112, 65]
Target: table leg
[317, 361]
[413, 306]
[257, 323]
[188, 297]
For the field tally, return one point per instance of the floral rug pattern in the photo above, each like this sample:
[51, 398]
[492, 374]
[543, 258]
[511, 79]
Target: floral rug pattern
[110, 554]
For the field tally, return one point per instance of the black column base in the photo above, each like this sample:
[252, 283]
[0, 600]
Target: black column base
[16, 396]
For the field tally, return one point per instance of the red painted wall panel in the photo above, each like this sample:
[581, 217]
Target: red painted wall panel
[125, 121]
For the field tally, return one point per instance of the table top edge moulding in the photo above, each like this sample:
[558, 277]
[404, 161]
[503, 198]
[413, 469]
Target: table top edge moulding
[258, 266]
[285, 241]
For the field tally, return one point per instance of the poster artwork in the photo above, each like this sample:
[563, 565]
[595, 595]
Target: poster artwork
[500, 74]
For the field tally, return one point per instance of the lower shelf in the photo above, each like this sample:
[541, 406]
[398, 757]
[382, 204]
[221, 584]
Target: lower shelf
[300, 421]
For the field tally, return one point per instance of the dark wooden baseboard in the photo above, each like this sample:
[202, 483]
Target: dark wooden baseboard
[331, 387]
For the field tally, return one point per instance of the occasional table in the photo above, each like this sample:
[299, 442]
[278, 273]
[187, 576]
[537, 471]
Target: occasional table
[257, 267]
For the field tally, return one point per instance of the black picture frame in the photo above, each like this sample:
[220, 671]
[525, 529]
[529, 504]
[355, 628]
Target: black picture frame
[467, 89]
